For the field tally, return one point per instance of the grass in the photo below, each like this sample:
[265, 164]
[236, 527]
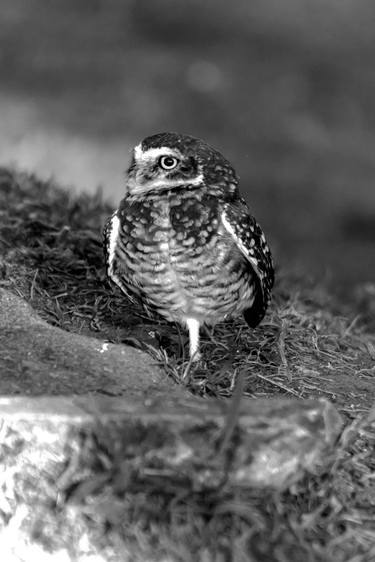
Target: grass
[324, 517]
[310, 345]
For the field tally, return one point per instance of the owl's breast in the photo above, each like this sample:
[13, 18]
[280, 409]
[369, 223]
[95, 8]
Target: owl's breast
[195, 227]
[175, 228]
[175, 252]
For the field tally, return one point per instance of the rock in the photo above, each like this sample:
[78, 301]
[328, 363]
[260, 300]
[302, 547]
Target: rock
[282, 438]
[37, 358]
[71, 465]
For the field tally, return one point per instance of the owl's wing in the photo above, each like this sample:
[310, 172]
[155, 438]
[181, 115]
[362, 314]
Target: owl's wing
[250, 240]
[111, 235]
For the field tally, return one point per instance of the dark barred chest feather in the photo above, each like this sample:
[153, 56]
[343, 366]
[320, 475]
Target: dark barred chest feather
[174, 253]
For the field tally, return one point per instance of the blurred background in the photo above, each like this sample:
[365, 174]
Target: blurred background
[286, 90]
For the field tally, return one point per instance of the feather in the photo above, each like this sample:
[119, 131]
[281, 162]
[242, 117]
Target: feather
[250, 240]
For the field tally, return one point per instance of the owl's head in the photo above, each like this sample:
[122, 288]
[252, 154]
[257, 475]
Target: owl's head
[169, 160]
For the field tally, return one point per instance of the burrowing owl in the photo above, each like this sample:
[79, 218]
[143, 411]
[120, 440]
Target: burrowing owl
[183, 239]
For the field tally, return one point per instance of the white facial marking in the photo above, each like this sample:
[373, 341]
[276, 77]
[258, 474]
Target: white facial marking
[151, 154]
[145, 157]
[138, 151]
[165, 182]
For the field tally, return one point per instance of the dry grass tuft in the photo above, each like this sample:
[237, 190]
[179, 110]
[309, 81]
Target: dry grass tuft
[308, 346]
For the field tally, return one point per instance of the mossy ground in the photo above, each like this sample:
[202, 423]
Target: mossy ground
[309, 345]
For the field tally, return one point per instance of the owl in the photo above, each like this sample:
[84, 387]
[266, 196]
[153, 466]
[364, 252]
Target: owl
[183, 240]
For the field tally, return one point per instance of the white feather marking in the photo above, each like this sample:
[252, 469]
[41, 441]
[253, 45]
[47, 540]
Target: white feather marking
[145, 157]
[139, 189]
[165, 182]
[244, 249]
[153, 153]
[163, 246]
[113, 236]
[111, 252]
[138, 152]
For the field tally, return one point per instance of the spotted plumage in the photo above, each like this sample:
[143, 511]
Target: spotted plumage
[183, 239]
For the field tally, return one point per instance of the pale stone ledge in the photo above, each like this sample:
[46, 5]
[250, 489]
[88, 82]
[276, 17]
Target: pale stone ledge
[59, 456]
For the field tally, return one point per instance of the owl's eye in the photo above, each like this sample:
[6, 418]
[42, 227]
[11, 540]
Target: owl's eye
[168, 162]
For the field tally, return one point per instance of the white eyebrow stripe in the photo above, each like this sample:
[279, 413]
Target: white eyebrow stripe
[153, 153]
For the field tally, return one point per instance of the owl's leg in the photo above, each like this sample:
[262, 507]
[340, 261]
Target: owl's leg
[193, 327]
